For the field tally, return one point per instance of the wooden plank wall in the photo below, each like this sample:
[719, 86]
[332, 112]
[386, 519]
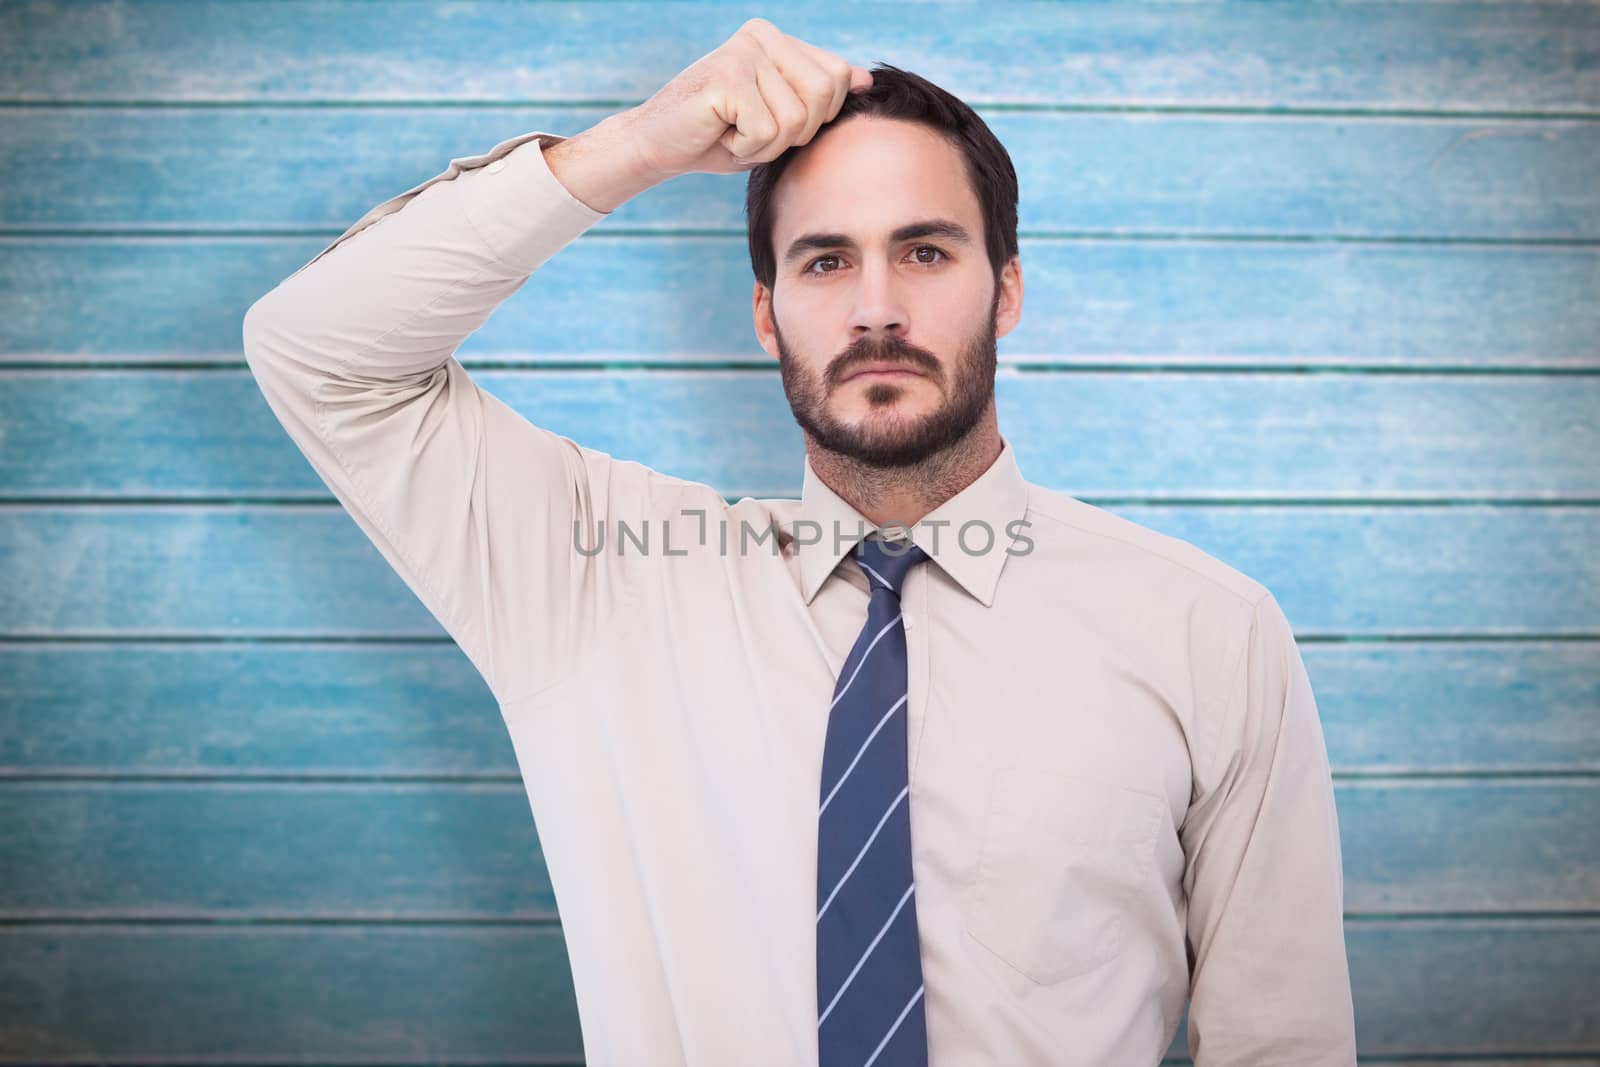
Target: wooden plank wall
[1314, 286]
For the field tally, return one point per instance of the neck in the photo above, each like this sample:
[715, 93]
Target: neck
[907, 494]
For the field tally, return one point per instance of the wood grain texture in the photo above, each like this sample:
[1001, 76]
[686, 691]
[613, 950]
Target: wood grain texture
[309, 710]
[127, 434]
[1501, 57]
[412, 994]
[1313, 286]
[163, 571]
[650, 299]
[248, 169]
[311, 851]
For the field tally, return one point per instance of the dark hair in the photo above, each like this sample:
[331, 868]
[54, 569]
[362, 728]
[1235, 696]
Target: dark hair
[899, 94]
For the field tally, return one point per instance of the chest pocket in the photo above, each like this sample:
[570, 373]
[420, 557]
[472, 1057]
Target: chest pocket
[1062, 857]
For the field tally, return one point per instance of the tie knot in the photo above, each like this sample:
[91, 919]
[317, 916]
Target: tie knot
[886, 566]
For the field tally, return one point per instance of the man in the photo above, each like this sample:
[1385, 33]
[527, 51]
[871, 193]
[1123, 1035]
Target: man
[931, 765]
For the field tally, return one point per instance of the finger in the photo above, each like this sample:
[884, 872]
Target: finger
[846, 78]
[820, 91]
[821, 78]
[854, 78]
[788, 111]
[751, 125]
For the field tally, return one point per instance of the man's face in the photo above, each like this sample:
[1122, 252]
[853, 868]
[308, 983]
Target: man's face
[924, 303]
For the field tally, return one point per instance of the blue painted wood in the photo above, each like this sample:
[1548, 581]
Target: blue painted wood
[1458, 706]
[426, 850]
[1339, 189]
[308, 570]
[1455, 983]
[1125, 301]
[401, 994]
[1181, 434]
[304, 709]
[241, 710]
[365, 992]
[1439, 57]
[1460, 984]
[236, 169]
[239, 850]
[1420, 847]
[1560, 1060]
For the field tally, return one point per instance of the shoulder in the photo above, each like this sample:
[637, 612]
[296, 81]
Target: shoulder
[1142, 557]
[1178, 614]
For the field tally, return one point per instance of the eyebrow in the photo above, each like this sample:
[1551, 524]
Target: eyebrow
[816, 242]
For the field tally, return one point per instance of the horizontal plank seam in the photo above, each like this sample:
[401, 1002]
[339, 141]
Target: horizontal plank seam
[90, 501]
[978, 104]
[9, 233]
[690, 367]
[254, 920]
[316, 640]
[1577, 775]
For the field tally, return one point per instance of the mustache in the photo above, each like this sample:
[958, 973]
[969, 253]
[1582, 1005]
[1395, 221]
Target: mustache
[891, 351]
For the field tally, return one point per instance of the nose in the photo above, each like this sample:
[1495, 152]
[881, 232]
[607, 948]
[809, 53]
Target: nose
[880, 309]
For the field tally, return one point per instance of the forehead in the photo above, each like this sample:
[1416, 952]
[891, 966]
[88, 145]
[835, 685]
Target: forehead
[870, 175]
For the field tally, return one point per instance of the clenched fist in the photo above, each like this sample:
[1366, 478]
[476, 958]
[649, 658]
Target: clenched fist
[758, 94]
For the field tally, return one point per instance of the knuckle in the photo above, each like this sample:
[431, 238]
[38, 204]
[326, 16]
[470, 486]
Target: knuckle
[737, 72]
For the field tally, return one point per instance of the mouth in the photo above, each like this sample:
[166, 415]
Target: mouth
[884, 370]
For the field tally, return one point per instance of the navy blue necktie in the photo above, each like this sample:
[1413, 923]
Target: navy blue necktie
[869, 970]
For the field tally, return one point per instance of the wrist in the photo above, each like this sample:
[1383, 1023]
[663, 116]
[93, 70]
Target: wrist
[602, 166]
[644, 170]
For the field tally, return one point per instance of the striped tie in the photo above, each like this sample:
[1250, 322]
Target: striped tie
[869, 971]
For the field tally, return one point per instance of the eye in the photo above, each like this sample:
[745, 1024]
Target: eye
[943, 255]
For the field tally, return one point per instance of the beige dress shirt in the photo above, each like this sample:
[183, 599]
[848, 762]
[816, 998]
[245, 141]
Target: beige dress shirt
[1120, 793]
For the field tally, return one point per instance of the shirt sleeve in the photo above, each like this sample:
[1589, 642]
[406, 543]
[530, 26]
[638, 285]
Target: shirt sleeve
[1269, 978]
[469, 502]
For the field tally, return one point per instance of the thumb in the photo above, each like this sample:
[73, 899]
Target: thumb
[860, 78]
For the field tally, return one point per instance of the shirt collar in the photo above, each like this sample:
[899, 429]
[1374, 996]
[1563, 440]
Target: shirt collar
[995, 500]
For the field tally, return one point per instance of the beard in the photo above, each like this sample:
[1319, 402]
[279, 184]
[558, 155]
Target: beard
[887, 442]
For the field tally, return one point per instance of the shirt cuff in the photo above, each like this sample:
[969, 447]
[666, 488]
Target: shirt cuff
[518, 206]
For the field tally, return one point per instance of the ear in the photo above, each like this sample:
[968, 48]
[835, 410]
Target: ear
[1009, 310]
[761, 313]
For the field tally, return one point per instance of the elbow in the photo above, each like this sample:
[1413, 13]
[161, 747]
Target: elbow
[260, 333]
[251, 329]
[269, 351]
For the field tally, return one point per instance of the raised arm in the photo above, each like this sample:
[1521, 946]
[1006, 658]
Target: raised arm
[469, 502]
[1270, 983]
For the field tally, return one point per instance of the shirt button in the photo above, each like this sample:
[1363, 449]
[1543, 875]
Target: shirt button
[496, 167]
[910, 622]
